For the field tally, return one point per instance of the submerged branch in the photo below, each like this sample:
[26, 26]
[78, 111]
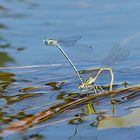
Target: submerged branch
[23, 124]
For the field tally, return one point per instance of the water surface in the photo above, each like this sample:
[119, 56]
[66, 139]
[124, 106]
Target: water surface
[33, 77]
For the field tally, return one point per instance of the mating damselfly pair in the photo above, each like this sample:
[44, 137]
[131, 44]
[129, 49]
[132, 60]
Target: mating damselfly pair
[117, 54]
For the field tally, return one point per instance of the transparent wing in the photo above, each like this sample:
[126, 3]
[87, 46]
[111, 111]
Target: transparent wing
[117, 54]
[82, 49]
[89, 73]
[120, 52]
[69, 42]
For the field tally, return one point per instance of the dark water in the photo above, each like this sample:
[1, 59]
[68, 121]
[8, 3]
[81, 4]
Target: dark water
[32, 76]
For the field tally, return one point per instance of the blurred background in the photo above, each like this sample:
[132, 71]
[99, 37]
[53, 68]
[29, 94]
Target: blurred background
[25, 23]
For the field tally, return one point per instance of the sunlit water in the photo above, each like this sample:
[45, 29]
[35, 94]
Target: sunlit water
[37, 75]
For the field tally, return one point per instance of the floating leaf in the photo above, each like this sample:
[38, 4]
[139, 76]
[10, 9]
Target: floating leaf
[5, 58]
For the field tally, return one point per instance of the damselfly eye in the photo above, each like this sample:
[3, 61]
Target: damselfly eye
[45, 41]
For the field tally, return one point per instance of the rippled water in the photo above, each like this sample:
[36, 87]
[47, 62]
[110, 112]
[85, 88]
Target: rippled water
[34, 77]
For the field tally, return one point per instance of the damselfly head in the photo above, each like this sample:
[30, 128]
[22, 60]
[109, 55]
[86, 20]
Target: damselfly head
[45, 41]
[50, 42]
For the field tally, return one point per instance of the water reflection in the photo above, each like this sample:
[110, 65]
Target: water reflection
[3, 26]
[3, 8]
[7, 13]
[127, 121]
[6, 77]
[26, 106]
[5, 58]
[34, 137]
[26, 121]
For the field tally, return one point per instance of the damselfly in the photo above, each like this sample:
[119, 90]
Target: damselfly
[67, 42]
[116, 55]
